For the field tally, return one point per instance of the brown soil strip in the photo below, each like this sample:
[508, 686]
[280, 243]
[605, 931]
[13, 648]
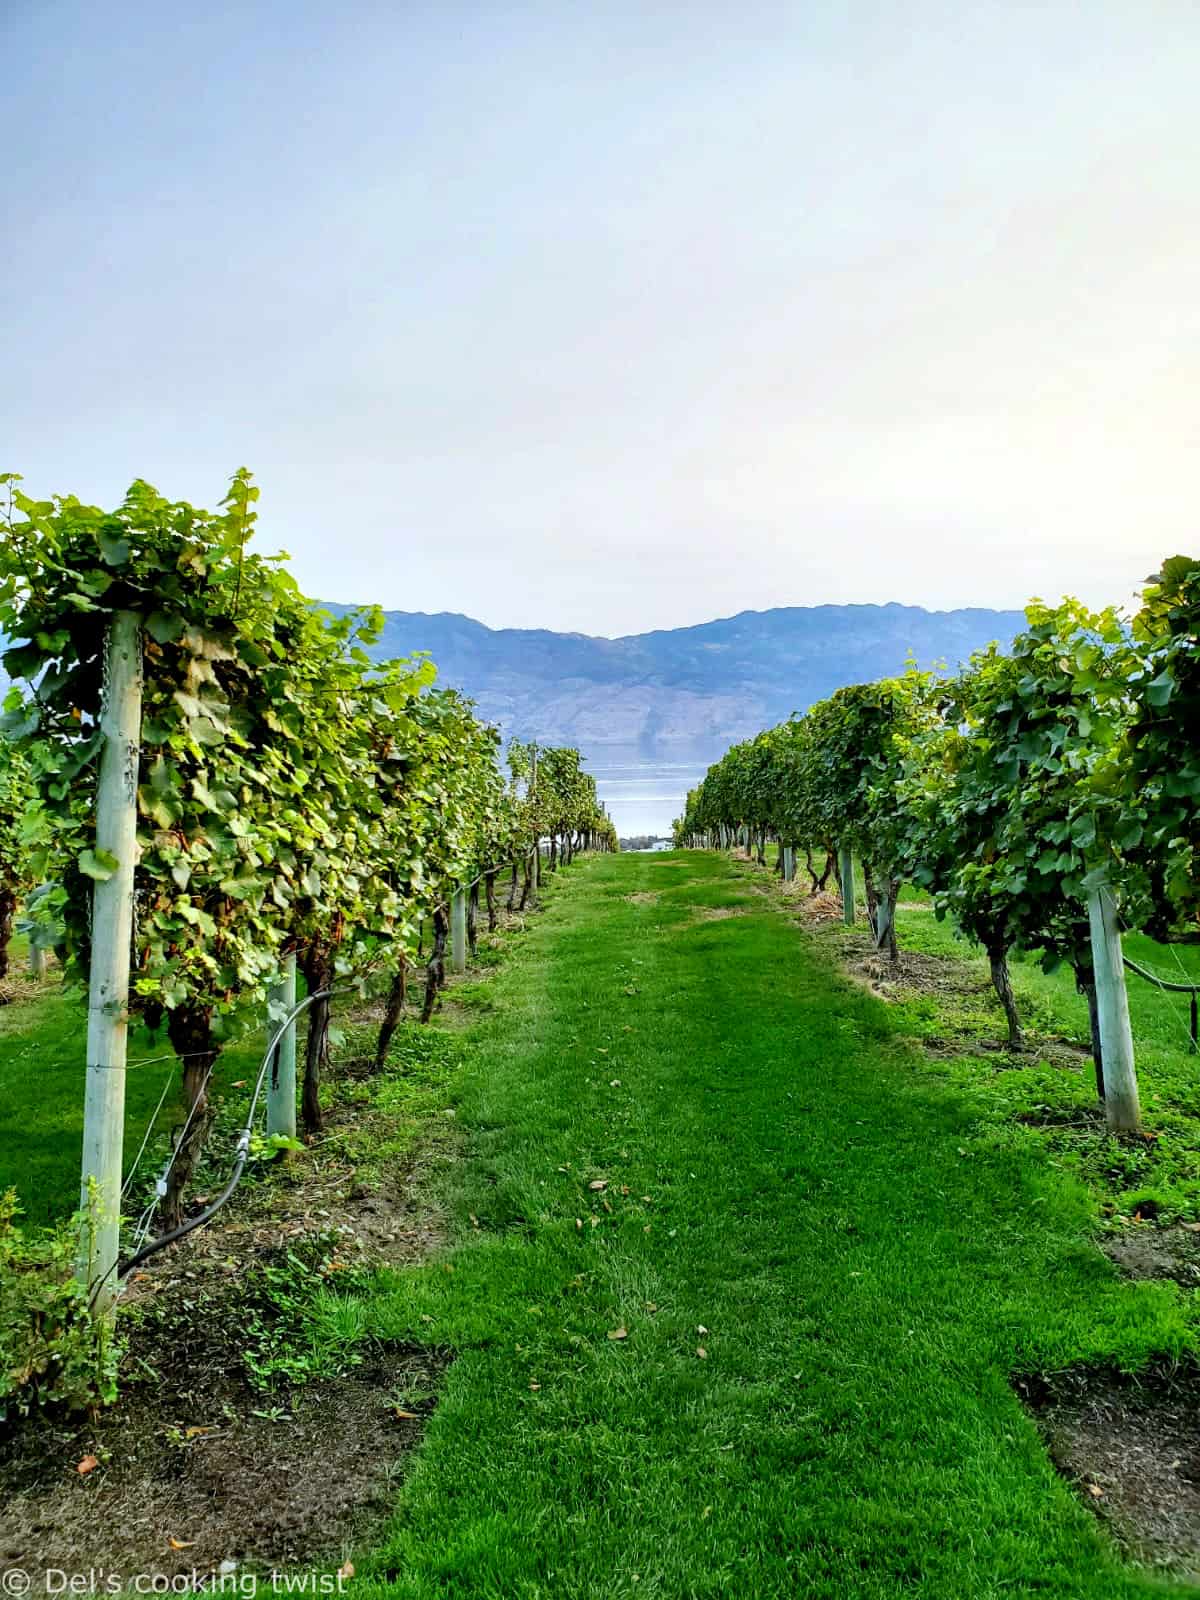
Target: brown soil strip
[1132, 1447]
[1145, 1251]
[193, 1474]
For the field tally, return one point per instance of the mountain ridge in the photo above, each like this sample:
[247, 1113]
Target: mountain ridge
[681, 694]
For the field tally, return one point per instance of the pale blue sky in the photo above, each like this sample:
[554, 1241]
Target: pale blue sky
[618, 316]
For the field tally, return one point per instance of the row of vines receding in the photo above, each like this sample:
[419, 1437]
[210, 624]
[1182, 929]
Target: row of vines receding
[1018, 792]
[295, 795]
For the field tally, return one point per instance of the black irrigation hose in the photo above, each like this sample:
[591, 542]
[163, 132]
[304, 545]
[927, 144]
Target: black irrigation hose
[1190, 989]
[242, 1152]
[1163, 983]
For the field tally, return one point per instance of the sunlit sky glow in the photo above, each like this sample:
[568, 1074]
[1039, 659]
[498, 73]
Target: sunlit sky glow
[619, 316]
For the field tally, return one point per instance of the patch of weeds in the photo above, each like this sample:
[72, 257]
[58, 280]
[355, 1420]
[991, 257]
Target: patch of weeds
[472, 997]
[419, 1058]
[298, 1327]
[391, 1109]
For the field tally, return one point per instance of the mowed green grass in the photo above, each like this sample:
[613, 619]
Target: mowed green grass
[42, 1067]
[823, 1266]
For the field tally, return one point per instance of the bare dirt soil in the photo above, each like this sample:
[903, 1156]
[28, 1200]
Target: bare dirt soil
[1145, 1251]
[195, 1469]
[1132, 1448]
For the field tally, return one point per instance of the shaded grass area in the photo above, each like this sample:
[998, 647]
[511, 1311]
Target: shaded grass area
[1044, 1087]
[42, 1063]
[739, 1285]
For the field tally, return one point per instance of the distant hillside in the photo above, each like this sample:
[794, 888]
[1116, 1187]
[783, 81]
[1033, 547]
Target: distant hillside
[682, 694]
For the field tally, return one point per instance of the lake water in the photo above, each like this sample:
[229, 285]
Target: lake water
[644, 796]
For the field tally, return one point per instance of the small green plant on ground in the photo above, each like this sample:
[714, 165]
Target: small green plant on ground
[301, 1320]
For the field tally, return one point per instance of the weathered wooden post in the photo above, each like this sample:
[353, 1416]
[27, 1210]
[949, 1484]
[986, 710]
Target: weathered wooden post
[458, 931]
[281, 1083]
[108, 979]
[1116, 1036]
[846, 865]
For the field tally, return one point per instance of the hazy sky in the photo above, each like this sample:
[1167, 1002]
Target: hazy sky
[619, 315]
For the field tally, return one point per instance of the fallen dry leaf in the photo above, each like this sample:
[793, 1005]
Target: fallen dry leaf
[700, 1328]
[407, 1416]
[619, 1333]
[180, 1544]
[1095, 1490]
[346, 1570]
[88, 1464]
[598, 1183]
[702, 1352]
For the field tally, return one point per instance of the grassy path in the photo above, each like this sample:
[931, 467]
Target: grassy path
[867, 1266]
